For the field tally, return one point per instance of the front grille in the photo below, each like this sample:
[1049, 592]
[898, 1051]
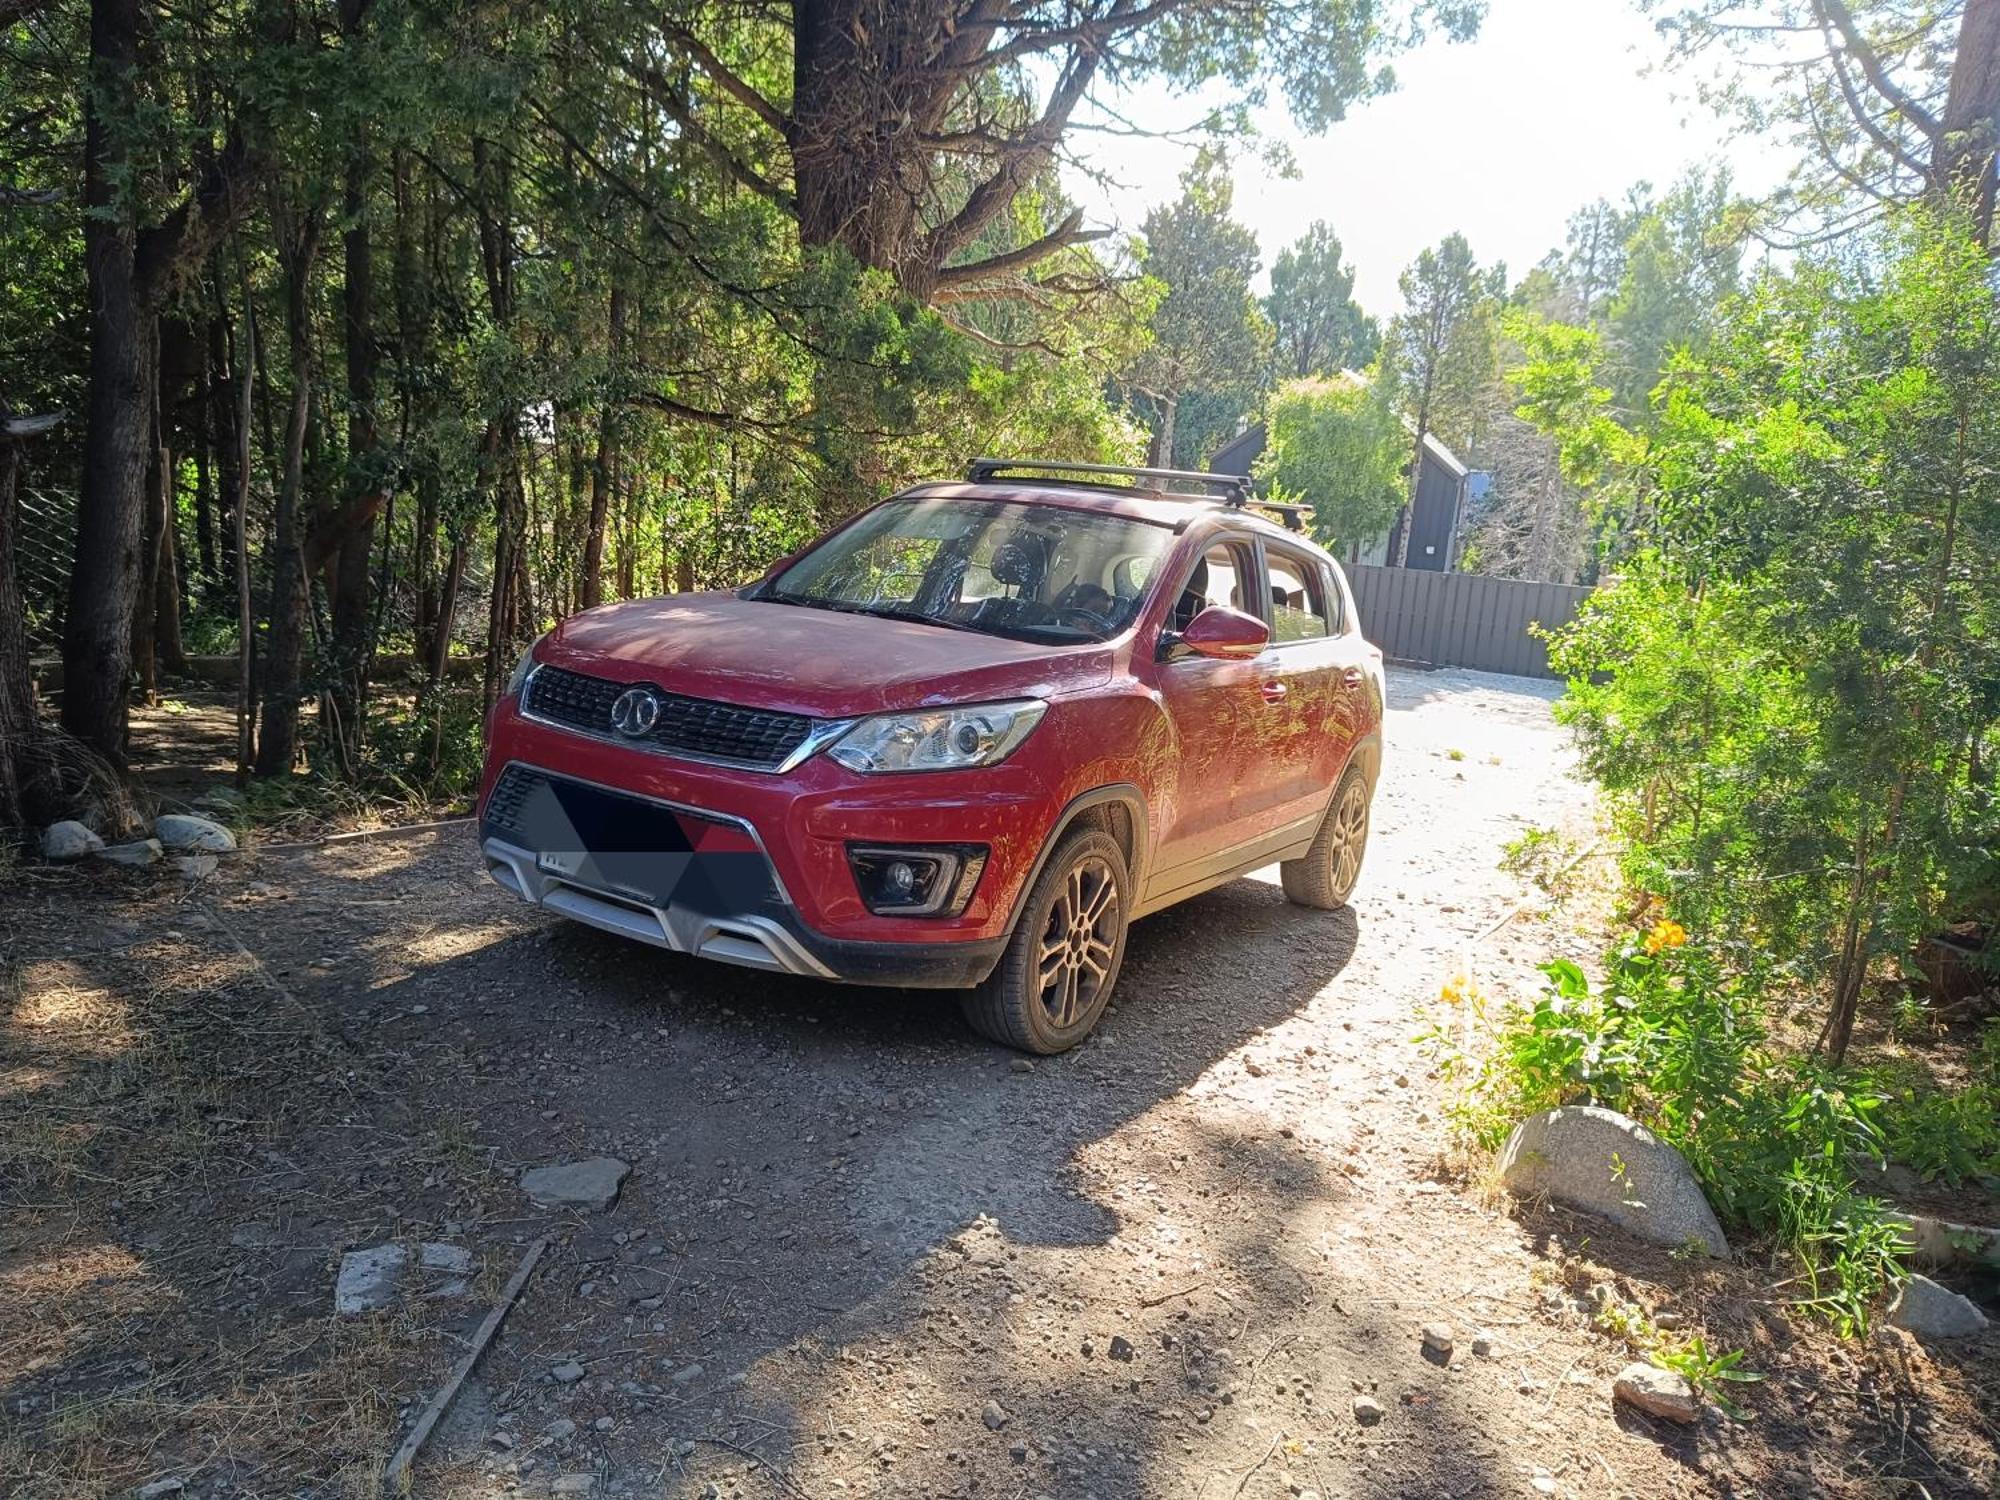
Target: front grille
[692, 726]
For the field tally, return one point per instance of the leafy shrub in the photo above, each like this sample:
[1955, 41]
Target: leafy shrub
[1675, 1038]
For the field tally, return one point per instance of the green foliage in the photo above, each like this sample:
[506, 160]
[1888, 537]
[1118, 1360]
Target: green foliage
[1439, 355]
[1337, 446]
[1318, 327]
[1708, 1373]
[1545, 858]
[1210, 344]
[1786, 700]
[1946, 1135]
[1674, 1036]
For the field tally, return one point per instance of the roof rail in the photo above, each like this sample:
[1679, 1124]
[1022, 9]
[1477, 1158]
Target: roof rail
[1233, 489]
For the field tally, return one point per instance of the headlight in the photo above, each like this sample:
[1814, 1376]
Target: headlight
[939, 739]
[524, 666]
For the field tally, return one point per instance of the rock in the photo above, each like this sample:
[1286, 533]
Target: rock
[687, 1375]
[604, 1424]
[196, 866]
[450, 1267]
[1482, 1344]
[1120, 1347]
[1940, 1242]
[72, 840]
[573, 1484]
[1656, 1392]
[591, 1184]
[1437, 1338]
[139, 852]
[185, 834]
[994, 1415]
[1367, 1410]
[1931, 1311]
[561, 1430]
[1021, 1065]
[1610, 1165]
[369, 1279]
[1018, 1452]
[569, 1372]
[173, 1484]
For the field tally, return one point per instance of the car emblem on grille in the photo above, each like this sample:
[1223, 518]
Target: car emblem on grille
[636, 712]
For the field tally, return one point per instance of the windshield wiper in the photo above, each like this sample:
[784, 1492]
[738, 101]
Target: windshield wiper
[916, 618]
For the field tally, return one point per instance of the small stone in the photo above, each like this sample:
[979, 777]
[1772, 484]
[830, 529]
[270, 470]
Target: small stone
[1120, 1348]
[1482, 1344]
[604, 1424]
[173, 1484]
[1367, 1410]
[1437, 1338]
[69, 840]
[196, 866]
[189, 835]
[573, 1484]
[687, 1375]
[1021, 1065]
[369, 1279]
[1402, 1080]
[138, 853]
[1018, 1452]
[569, 1372]
[1543, 1484]
[591, 1184]
[994, 1415]
[561, 1430]
[1931, 1311]
[1657, 1392]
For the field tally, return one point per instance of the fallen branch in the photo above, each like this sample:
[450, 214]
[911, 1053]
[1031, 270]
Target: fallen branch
[396, 1479]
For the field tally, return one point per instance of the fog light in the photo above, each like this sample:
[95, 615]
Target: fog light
[932, 880]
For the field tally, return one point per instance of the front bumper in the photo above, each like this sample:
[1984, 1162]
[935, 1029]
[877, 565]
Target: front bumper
[687, 879]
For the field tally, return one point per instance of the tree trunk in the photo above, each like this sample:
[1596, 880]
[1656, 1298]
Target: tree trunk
[146, 614]
[1972, 115]
[1162, 455]
[223, 438]
[351, 644]
[103, 590]
[239, 548]
[167, 590]
[19, 731]
[278, 741]
[604, 472]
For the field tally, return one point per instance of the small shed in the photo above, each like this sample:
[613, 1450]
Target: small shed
[1436, 520]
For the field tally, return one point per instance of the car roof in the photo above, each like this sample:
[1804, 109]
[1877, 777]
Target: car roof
[1159, 507]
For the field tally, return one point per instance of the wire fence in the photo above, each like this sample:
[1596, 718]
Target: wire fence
[45, 546]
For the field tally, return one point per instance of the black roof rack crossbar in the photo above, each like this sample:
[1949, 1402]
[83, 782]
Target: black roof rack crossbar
[1233, 489]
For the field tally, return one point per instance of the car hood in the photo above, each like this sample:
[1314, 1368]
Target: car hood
[811, 661]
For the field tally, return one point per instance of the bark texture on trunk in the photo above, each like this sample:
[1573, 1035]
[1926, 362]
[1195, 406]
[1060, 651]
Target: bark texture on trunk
[604, 471]
[19, 732]
[351, 618]
[1972, 114]
[278, 739]
[118, 416]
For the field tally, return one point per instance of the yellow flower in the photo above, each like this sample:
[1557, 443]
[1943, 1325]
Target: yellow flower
[1458, 989]
[1666, 933]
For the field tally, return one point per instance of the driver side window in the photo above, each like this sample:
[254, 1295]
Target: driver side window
[1222, 576]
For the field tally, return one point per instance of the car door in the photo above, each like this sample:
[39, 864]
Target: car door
[1303, 682]
[1216, 708]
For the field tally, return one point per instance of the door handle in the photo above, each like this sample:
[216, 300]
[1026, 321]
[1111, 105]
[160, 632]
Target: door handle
[1274, 692]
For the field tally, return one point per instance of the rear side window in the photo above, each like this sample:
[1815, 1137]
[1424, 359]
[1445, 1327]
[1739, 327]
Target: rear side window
[1298, 599]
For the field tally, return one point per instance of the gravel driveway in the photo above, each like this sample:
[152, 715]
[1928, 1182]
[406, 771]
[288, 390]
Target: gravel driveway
[860, 1252]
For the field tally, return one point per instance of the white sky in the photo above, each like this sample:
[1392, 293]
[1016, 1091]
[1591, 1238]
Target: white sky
[1550, 108]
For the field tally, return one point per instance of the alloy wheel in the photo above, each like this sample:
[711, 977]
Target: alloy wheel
[1350, 835]
[1079, 941]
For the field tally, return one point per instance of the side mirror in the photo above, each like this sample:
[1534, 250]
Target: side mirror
[1225, 634]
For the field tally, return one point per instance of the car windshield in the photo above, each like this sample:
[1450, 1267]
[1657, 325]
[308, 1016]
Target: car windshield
[1034, 572]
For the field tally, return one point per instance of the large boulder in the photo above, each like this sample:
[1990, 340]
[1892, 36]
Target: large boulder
[1610, 1165]
[69, 840]
[1931, 1311]
[185, 834]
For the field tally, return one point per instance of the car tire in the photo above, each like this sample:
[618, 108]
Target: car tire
[1326, 874]
[1057, 972]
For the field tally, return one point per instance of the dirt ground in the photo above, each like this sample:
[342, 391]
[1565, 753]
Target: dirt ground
[860, 1251]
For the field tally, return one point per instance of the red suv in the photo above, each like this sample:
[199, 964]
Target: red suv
[960, 742]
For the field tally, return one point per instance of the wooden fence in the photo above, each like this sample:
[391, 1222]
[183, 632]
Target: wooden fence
[1460, 619]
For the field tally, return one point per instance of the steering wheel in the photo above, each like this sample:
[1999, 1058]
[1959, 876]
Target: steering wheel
[1092, 620]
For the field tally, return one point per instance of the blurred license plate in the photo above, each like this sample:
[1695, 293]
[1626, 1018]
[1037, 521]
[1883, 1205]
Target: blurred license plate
[555, 862]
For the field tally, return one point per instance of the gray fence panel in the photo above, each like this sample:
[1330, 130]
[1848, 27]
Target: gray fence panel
[1461, 619]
